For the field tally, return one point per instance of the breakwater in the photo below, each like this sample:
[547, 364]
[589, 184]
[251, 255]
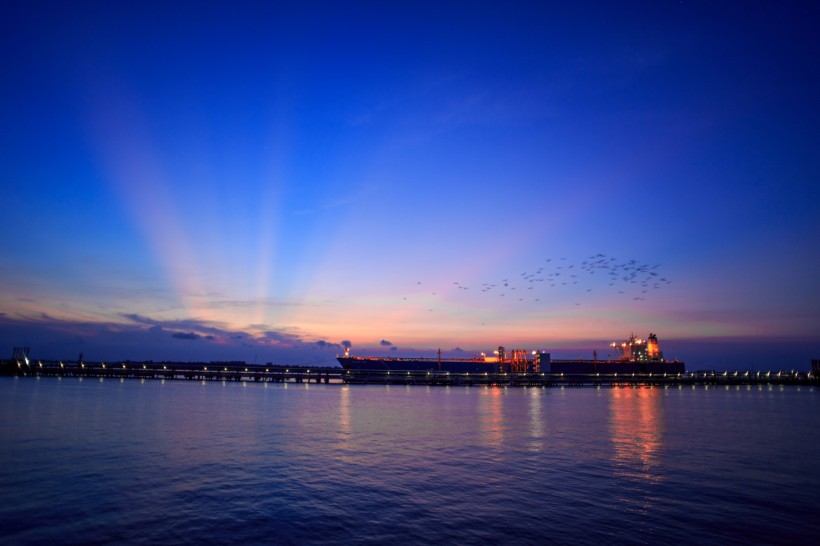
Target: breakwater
[215, 371]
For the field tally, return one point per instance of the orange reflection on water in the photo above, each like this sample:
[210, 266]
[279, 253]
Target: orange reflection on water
[636, 426]
[491, 415]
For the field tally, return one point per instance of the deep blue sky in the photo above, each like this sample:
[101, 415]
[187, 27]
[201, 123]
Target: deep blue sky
[207, 181]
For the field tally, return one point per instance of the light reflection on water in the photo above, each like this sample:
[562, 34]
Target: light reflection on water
[491, 415]
[535, 397]
[636, 423]
[109, 461]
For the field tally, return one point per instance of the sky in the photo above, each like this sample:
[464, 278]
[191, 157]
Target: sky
[272, 182]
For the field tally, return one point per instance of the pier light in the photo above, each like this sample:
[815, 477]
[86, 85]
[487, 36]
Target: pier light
[143, 366]
[164, 367]
[123, 366]
[408, 373]
[388, 372]
[205, 369]
[103, 365]
[266, 370]
[246, 369]
[19, 365]
[725, 374]
[224, 369]
[287, 371]
[41, 364]
[485, 374]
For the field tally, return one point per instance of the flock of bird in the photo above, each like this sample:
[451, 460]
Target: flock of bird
[629, 277]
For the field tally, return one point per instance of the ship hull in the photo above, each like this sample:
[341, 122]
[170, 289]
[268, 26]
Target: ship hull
[614, 366]
[480, 366]
[418, 365]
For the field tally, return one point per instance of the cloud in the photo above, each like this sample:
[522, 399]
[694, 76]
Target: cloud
[385, 343]
[325, 344]
[191, 325]
[394, 348]
[346, 343]
[141, 337]
[139, 319]
[282, 338]
[185, 335]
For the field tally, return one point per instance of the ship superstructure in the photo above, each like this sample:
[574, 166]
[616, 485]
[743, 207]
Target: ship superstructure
[639, 350]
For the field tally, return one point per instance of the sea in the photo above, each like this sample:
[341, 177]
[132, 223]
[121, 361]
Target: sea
[110, 461]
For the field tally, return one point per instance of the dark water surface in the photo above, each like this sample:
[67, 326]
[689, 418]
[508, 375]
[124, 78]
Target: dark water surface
[91, 461]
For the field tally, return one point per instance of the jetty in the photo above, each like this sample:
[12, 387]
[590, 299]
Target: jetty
[333, 375]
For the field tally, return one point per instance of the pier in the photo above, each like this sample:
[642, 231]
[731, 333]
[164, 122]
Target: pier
[216, 371]
[701, 378]
[195, 371]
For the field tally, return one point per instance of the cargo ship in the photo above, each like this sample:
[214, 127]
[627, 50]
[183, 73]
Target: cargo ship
[634, 355]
